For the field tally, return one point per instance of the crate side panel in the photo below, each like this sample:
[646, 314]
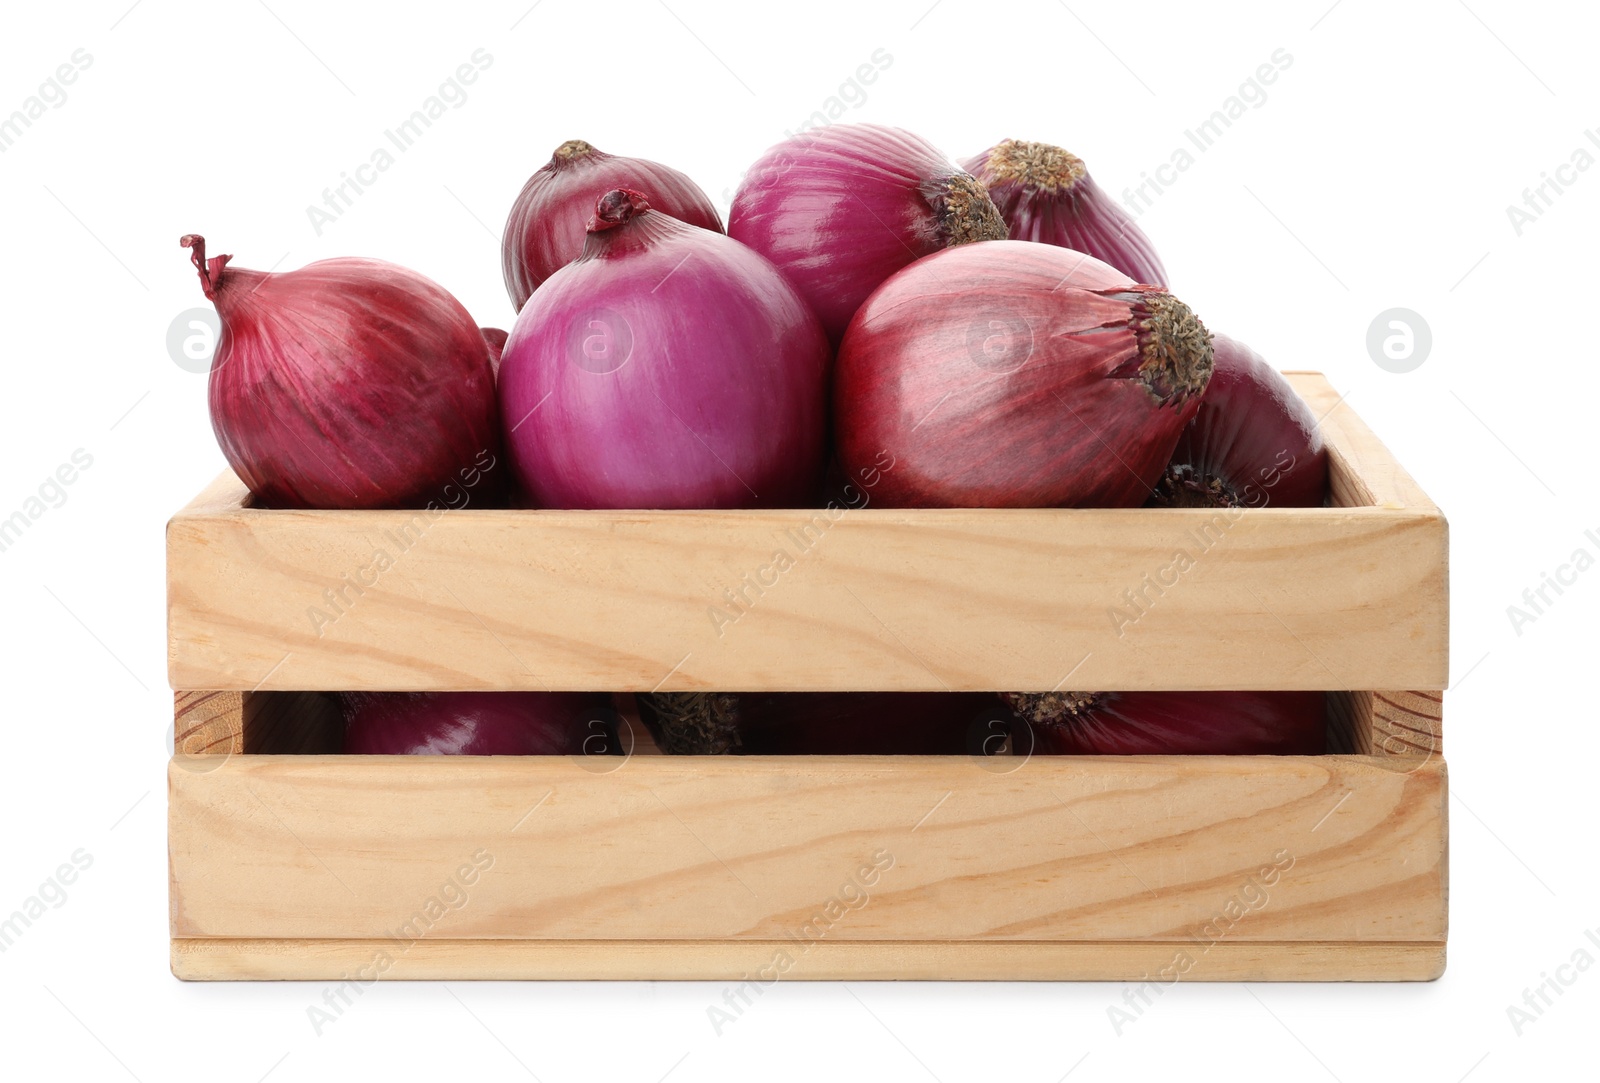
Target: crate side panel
[895, 601]
[860, 848]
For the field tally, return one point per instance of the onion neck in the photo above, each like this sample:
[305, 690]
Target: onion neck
[1175, 354]
[1038, 166]
[624, 222]
[695, 723]
[964, 210]
[572, 151]
[211, 271]
[1183, 486]
[1053, 708]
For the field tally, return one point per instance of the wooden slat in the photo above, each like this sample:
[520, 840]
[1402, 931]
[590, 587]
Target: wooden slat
[751, 848]
[737, 960]
[964, 599]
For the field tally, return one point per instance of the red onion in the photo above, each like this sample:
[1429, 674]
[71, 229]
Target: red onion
[668, 367]
[1015, 375]
[1171, 723]
[820, 723]
[842, 208]
[350, 383]
[1252, 443]
[546, 229]
[1046, 194]
[471, 723]
[495, 339]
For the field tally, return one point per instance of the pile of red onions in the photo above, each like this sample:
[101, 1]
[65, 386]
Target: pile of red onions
[1046, 194]
[667, 367]
[1017, 375]
[350, 383]
[998, 336]
[840, 209]
[546, 229]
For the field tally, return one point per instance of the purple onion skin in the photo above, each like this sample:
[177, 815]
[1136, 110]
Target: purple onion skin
[547, 226]
[1060, 204]
[668, 367]
[469, 723]
[861, 723]
[1182, 723]
[1015, 375]
[1252, 443]
[350, 383]
[840, 209]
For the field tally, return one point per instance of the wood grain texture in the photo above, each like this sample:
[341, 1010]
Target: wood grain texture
[736, 961]
[1408, 723]
[754, 848]
[966, 599]
[207, 723]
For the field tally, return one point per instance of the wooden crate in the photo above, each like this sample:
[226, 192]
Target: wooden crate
[289, 865]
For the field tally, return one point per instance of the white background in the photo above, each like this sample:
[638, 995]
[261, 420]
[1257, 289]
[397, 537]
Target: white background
[1376, 175]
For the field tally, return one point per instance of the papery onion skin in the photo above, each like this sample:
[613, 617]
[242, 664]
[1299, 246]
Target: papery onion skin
[471, 723]
[840, 209]
[1046, 195]
[1170, 723]
[349, 383]
[819, 723]
[1017, 375]
[668, 367]
[1252, 443]
[548, 222]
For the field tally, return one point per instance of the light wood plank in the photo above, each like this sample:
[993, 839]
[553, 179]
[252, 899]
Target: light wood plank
[754, 848]
[736, 961]
[964, 599]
